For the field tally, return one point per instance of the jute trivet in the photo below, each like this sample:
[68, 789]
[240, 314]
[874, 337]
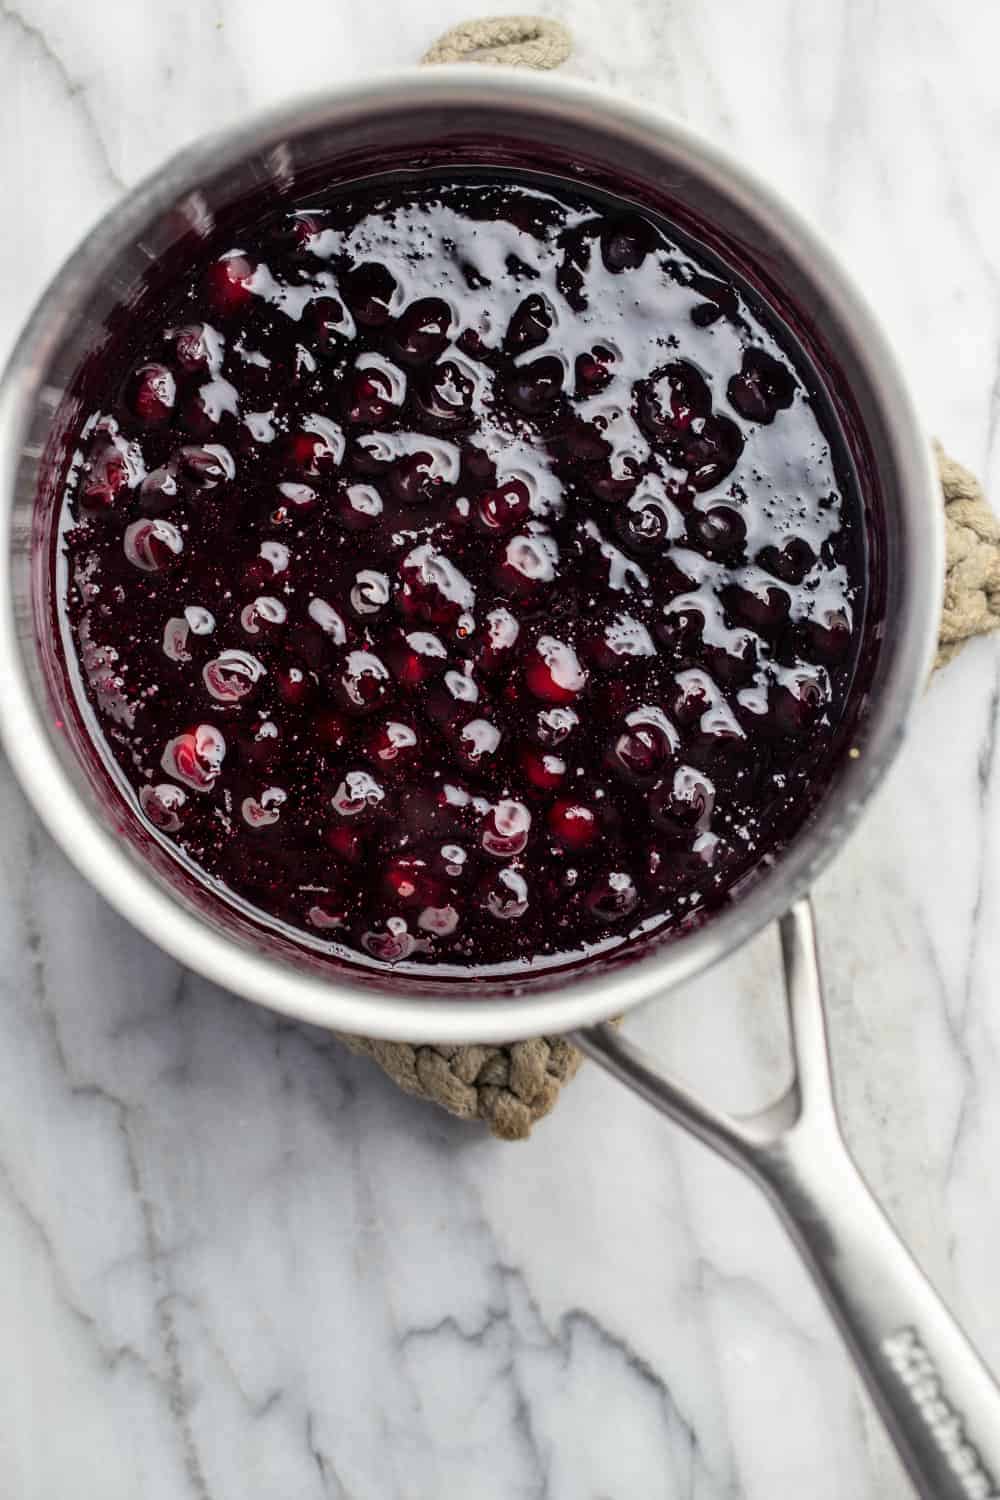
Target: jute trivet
[972, 560]
[510, 1087]
[517, 41]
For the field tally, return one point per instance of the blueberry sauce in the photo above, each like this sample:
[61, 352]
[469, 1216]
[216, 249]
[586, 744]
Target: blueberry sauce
[463, 573]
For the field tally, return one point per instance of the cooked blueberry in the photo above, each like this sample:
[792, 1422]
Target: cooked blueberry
[414, 591]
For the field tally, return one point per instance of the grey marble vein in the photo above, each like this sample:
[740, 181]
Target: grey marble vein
[13, 20]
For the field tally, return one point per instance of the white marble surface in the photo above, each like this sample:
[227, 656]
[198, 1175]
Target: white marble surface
[234, 1262]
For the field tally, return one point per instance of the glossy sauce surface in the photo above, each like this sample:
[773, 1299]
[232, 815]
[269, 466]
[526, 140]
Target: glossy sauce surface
[460, 574]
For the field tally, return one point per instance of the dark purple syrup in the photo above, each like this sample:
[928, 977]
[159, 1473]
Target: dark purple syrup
[461, 573]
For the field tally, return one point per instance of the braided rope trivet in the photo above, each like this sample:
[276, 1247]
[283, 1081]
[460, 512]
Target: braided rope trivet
[517, 41]
[510, 1087]
[972, 560]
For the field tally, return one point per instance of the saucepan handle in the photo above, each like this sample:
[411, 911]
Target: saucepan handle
[940, 1404]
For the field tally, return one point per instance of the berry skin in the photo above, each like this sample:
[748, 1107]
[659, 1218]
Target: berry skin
[673, 401]
[368, 290]
[530, 325]
[682, 806]
[553, 672]
[295, 683]
[371, 399]
[229, 283]
[505, 829]
[533, 389]
[152, 545]
[421, 333]
[504, 509]
[393, 746]
[363, 683]
[151, 394]
[505, 894]
[166, 806]
[106, 478]
[195, 347]
[552, 726]
[544, 770]
[642, 750]
[572, 824]
[416, 657]
[444, 394]
[612, 897]
[763, 388]
[409, 883]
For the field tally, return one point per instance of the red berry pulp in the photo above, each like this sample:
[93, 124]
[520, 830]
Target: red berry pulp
[465, 573]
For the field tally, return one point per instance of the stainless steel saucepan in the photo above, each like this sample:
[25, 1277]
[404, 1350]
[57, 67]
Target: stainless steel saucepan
[939, 1403]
